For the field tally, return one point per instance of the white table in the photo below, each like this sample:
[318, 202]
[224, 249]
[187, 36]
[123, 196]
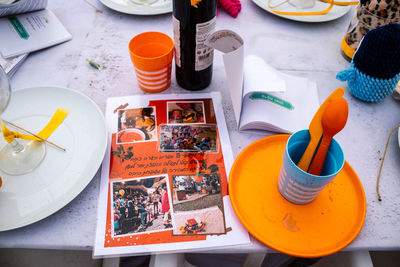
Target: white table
[308, 50]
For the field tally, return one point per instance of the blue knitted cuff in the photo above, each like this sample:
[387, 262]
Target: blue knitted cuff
[365, 87]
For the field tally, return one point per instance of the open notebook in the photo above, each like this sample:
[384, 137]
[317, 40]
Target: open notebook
[29, 32]
[26, 26]
[263, 98]
[273, 101]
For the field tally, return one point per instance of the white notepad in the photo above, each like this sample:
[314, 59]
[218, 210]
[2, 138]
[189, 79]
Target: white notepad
[30, 32]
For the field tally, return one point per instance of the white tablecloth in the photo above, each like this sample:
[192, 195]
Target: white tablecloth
[303, 49]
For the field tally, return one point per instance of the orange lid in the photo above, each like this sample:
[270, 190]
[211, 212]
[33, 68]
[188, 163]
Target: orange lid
[322, 227]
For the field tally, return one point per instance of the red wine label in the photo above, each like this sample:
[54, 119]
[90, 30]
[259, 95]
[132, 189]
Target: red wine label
[177, 41]
[204, 54]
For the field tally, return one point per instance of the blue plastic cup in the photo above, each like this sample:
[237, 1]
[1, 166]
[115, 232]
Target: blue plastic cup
[298, 186]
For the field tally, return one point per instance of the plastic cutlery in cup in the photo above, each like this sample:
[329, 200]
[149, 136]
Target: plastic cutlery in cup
[333, 121]
[315, 130]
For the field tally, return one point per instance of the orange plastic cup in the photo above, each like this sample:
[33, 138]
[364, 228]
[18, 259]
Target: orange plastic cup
[151, 54]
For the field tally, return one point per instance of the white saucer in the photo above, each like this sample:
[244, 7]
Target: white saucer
[25, 199]
[131, 7]
[335, 13]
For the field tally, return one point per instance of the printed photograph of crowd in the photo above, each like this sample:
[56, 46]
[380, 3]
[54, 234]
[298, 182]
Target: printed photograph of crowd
[141, 205]
[197, 205]
[136, 125]
[186, 112]
[188, 138]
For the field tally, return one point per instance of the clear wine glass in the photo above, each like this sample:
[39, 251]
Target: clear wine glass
[22, 156]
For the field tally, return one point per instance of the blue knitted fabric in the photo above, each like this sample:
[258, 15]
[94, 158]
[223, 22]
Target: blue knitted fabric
[375, 69]
[365, 87]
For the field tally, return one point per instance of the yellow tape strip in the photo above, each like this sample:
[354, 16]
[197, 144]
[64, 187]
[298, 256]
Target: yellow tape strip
[55, 121]
[51, 126]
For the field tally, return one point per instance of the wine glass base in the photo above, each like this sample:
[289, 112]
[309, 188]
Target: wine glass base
[24, 161]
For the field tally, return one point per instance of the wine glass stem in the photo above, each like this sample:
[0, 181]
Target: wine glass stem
[17, 147]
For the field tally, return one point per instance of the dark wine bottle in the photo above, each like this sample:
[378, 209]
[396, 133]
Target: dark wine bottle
[193, 22]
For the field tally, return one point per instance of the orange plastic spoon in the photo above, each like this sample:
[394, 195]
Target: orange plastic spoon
[333, 121]
[315, 130]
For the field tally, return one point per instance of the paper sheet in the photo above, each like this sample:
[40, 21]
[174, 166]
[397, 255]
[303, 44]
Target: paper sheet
[10, 65]
[232, 45]
[30, 32]
[260, 77]
[156, 141]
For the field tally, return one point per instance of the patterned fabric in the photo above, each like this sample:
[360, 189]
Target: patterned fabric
[371, 14]
[375, 69]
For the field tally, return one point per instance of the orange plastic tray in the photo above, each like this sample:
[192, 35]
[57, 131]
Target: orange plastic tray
[325, 226]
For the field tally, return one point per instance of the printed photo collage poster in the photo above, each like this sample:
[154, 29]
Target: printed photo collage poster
[164, 180]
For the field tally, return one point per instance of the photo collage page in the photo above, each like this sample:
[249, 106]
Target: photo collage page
[167, 174]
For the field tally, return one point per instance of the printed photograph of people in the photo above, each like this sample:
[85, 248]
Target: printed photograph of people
[141, 205]
[186, 112]
[197, 205]
[136, 125]
[188, 138]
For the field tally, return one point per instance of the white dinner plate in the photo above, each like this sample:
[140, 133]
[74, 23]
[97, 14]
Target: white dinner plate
[335, 13]
[25, 199]
[130, 7]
